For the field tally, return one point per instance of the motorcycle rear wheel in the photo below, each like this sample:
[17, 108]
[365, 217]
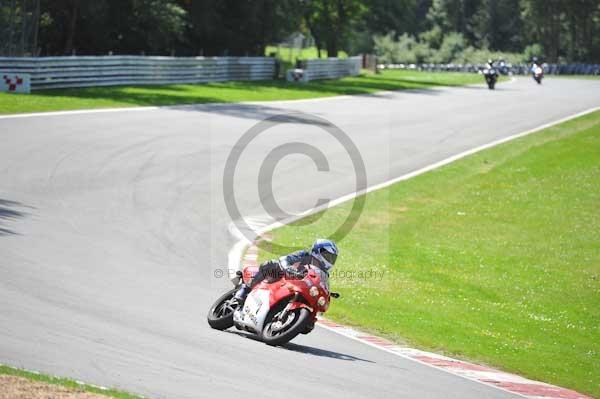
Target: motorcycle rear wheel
[220, 314]
[275, 335]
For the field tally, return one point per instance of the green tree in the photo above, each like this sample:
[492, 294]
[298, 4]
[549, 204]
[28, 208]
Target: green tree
[497, 25]
[566, 29]
[452, 46]
[386, 48]
[158, 23]
[236, 27]
[384, 16]
[580, 16]
[331, 21]
[545, 19]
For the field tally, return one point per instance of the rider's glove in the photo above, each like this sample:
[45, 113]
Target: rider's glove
[271, 269]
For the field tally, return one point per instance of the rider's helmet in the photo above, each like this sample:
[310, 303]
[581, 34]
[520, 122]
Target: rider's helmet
[326, 252]
[534, 60]
[490, 62]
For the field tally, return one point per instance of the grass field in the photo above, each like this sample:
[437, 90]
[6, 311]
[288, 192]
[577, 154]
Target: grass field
[494, 258]
[64, 382]
[126, 96]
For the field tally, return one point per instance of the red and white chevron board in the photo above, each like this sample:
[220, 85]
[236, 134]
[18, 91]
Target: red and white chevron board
[15, 83]
[483, 374]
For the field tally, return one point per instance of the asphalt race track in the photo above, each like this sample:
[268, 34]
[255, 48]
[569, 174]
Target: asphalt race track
[113, 231]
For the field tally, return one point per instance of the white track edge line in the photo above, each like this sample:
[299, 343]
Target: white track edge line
[174, 107]
[78, 112]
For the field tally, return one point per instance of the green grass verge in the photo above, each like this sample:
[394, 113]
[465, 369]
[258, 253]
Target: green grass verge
[226, 92]
[65, 382]
[493, 258]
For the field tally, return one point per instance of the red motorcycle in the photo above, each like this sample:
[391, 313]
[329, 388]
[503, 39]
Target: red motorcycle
[276, 311]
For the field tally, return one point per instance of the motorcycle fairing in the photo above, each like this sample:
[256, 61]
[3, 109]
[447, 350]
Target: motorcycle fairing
[255, 310]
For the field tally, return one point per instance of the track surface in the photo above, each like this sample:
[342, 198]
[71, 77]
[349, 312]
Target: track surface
[112, 225]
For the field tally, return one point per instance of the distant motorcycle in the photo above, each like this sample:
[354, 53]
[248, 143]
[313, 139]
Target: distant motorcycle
[538, 74]
[275, 311]
[491, 77]
[504, 68]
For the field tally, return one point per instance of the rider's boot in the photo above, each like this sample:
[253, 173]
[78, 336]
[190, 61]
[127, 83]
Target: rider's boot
[242, 293]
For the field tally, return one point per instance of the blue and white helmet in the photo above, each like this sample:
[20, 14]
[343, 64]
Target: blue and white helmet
[326, 252]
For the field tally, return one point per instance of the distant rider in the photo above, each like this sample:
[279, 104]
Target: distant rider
[535, 64]
[322, 254]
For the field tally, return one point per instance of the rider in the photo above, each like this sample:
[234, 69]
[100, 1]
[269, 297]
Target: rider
[322, 255]
[534, 64]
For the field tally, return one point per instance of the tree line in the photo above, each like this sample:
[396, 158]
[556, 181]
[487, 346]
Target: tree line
[560, 30]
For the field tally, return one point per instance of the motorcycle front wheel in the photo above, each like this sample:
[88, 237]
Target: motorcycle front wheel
[220, 314]
[278, 331]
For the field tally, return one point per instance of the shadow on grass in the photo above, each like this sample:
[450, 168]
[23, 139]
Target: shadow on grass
[224, 92]
[375, 86]
[133, 95]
